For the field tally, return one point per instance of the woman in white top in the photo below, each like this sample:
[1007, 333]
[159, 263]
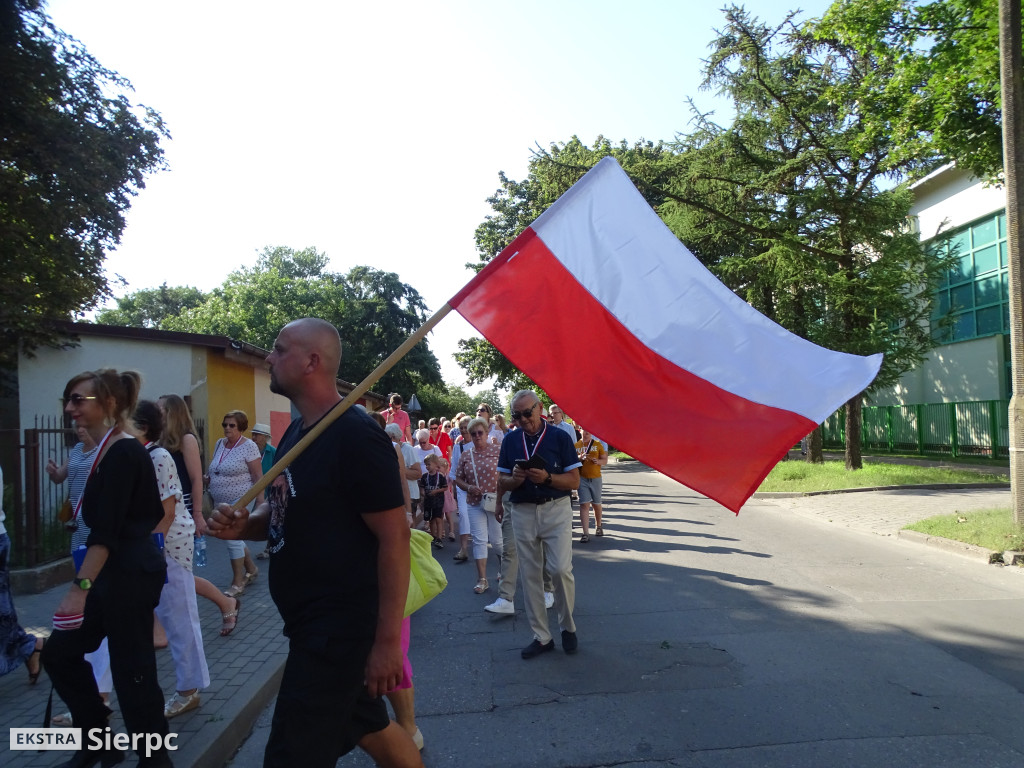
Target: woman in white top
[236, 465]
[177, 609]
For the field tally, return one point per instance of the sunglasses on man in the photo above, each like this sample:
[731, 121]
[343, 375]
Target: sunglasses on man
[516, 415]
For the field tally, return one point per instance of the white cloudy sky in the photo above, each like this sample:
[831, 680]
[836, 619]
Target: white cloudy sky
[375, 131]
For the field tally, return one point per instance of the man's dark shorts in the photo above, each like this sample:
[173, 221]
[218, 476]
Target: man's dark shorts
[323, 709]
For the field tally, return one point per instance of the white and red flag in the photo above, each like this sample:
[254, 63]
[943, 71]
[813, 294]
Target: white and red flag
[602, 306]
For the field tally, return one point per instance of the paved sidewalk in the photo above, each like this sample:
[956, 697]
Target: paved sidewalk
[887, 512]
[246, 667]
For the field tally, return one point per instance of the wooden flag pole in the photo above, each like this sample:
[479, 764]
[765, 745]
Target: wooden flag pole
[341, 407]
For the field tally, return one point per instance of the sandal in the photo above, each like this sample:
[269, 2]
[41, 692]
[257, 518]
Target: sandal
[234, 590]
[599, 531]
[264, 555]
[62, 721]
[584, 538]
[33, 677]
[230, 619]
[251, 577]
[481, 586]
[460, 557]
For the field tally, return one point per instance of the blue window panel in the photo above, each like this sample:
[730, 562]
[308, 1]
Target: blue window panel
[962, 297]
[1004, 282]
[989, 321]
[960, 245]
[1001, 221]
[986, 260]
[984, 233]
[986, 291]
[941, 305]
[963, 327]
[1004, 255]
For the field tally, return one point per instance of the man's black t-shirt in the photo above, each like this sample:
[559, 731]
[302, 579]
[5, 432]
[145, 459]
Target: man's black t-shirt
[323, 557]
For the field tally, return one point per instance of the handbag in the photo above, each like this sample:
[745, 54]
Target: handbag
[208, 505]
[426, 577]
[489, 501]
[65, 513]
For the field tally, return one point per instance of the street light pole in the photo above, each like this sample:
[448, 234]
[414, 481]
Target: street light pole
[1011, 72]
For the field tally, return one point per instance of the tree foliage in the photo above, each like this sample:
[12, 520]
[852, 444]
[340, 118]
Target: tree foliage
[149, 307]
[373, 310]
[940, 97]
[517, 203]
[797, 204]
[805, 194]
[73, 151]
[443, 400]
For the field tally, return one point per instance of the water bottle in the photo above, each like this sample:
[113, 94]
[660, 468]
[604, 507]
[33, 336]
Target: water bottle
[200, 558]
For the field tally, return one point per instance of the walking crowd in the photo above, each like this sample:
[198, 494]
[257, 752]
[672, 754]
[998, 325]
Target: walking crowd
[141, 506]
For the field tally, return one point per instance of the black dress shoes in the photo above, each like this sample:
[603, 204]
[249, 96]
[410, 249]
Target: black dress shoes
[536, 648]
[569, 643]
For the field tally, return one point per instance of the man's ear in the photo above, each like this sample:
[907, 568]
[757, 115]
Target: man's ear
[314, 362]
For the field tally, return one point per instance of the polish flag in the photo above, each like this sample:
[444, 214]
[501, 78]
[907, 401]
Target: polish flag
[602, 306]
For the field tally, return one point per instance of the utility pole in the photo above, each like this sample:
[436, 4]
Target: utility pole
[1011, 72]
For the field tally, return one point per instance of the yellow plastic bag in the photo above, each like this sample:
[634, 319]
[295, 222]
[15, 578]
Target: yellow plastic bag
[426, 577]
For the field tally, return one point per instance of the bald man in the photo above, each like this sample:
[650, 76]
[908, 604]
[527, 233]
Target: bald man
[339, 566]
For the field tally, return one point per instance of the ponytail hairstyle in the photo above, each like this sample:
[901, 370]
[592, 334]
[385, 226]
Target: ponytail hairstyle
[117, 393]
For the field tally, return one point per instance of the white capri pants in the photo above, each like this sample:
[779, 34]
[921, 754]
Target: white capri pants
[484, 528]
[179, 614]
[236, 549]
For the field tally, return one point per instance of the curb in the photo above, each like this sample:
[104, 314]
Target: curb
[970, 551]
[215, 746]
[929, 487]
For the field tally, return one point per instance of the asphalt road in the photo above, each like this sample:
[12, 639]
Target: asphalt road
[706, 640]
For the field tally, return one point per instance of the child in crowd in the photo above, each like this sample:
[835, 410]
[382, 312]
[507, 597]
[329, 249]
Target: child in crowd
[432, 488]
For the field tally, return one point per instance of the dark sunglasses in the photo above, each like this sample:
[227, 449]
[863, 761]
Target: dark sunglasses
[477, 434]
[433, 428]
[225, 424]
[77, 399]
[523, 414]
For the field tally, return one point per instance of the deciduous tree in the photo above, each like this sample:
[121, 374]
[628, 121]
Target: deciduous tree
[373, 310]
[74, 149]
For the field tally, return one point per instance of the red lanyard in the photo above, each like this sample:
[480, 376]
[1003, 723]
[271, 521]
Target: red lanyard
[526, 451]
[224, 450]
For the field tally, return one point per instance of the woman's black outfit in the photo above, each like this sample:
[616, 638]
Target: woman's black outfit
[122, 506]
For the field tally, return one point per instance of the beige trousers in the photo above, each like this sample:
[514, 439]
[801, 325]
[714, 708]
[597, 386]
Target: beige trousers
[543, 532]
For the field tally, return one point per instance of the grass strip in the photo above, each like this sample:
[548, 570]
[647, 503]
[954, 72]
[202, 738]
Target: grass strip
[991, 529]
[802, 477]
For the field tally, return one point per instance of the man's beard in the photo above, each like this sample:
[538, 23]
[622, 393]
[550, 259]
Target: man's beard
[276, 387]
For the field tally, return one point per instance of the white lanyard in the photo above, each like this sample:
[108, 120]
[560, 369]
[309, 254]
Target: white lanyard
[528, 453]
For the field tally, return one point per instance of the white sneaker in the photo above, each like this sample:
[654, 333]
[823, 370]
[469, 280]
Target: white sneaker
[501, 605]
[549, 599]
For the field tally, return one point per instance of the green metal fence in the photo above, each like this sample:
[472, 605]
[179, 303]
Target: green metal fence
[950, 429]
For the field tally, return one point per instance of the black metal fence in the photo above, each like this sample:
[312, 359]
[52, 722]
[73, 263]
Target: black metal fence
[977, 428]
[31, 499]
